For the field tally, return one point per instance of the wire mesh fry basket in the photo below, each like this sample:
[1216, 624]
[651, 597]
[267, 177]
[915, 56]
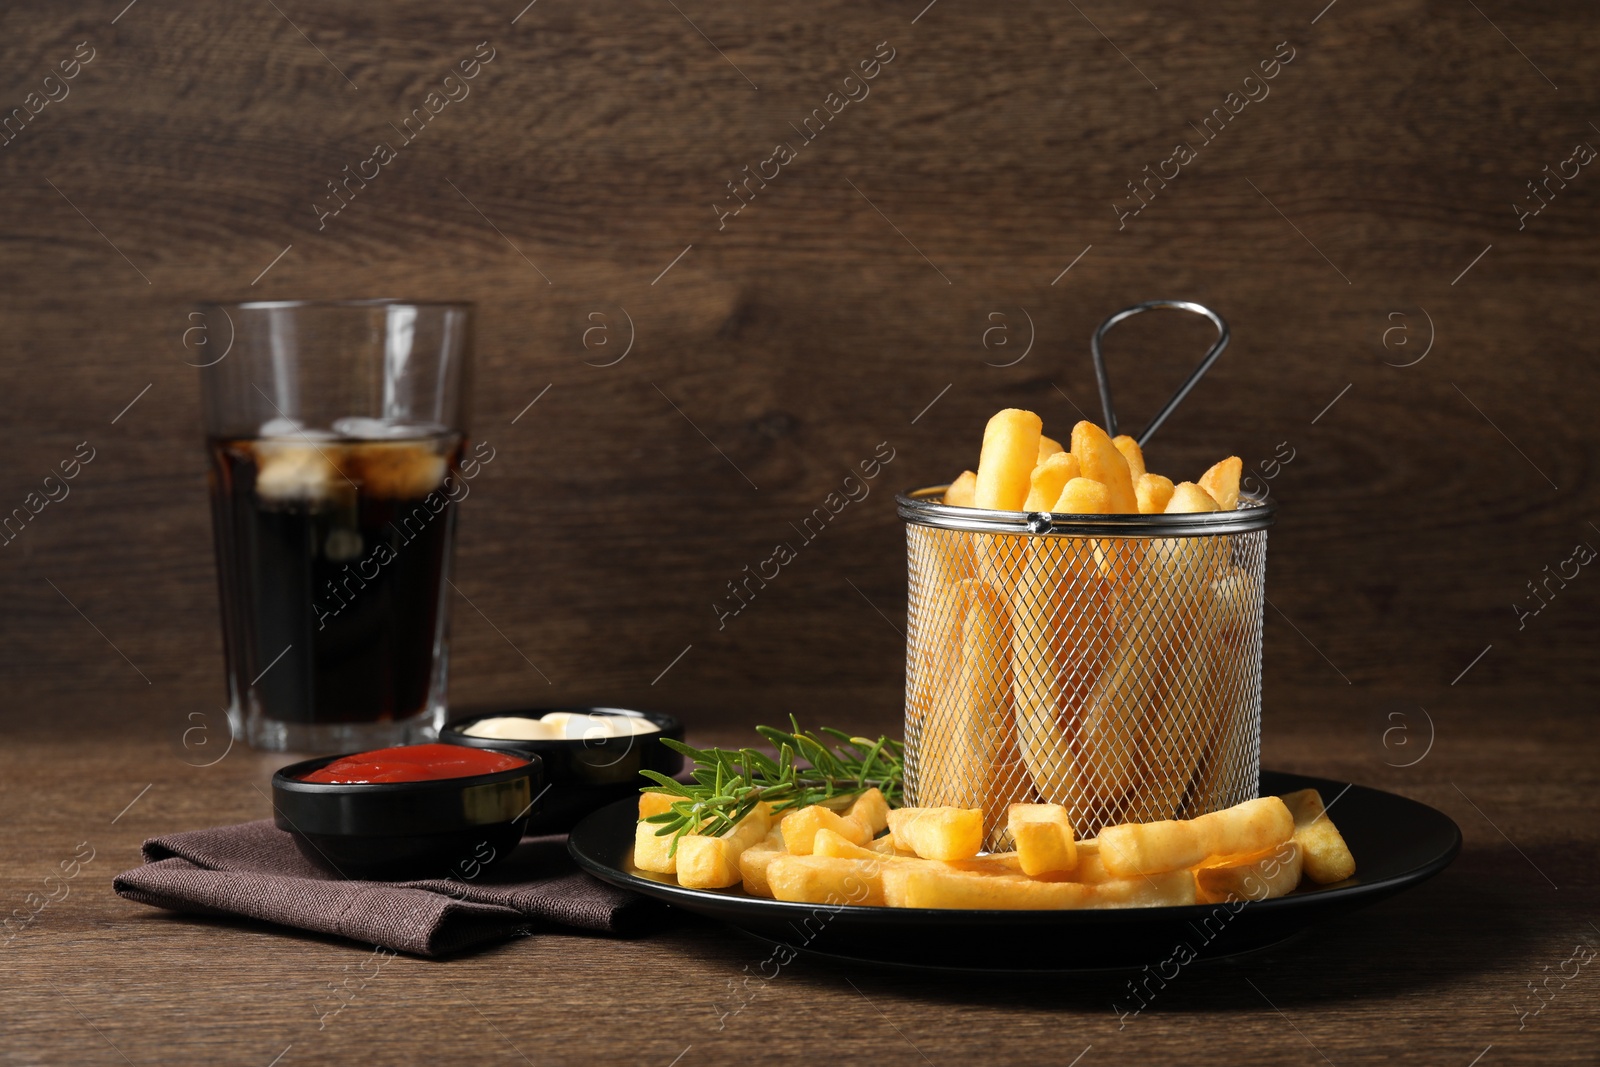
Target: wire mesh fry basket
[1110, 664]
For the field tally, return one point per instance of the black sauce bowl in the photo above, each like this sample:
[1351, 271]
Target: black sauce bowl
[581, 775]
[441, 828]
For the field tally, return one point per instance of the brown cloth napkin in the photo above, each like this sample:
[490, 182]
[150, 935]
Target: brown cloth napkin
[254, 870]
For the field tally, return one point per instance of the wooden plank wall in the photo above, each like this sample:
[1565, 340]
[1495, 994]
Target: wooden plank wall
[1362, 208]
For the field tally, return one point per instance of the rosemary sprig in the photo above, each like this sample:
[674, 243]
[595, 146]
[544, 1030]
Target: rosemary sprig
[811, 768]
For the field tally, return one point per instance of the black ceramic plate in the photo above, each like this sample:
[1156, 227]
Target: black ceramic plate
[1397, 843]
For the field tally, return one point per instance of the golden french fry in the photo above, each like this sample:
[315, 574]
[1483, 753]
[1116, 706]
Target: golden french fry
[713, 862]
[960, 492]
[916, 885]
[1048, 446]
[827, 879]
[1091, 869]
[1118, 558]
[1055, 656]
[1188, 498]
[1153, 491]
[1042, 632]
[884, 846]
[1005, 469]
[941, 761]
[1048, 478]
[871, 811]
[990, 863]
[1327, 857]
[1132, 454]
[968, 752]
[1176, 738]
[829, 843]
[934, 644]
[1206, 647]
[1221, 482]
[1132, 849]
[1010, 451]
[1105, 461]
[651, 852]
[1185, 699]
[1273, 873]
[753, 864]
[1044, 838]
[654, 803]
[999, 560]
[1230, 734]
[1106, 766]
[800, 828]
[1099, 459]
[1124, 747]
[1083, 496]
[938, 833]
[1188, 559]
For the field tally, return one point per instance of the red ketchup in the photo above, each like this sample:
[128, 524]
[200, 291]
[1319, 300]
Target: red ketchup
[413, 763]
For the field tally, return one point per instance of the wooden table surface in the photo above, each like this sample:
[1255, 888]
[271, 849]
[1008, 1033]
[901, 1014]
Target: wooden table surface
[1440, 974]
[1380, 200]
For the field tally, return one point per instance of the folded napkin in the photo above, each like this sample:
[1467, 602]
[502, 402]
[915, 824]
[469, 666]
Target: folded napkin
[254, 870]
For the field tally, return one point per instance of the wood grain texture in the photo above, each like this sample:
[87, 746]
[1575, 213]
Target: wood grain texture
[1431, 974]
[807, 329]
[845, 306]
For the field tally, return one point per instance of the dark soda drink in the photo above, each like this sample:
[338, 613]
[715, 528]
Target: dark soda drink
[332, 555]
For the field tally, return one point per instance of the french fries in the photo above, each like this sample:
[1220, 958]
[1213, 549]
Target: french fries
[1228, 734]
[827, 879]
[1048, 479]
[652, 851]
[1273, 873]
[936, 656]
[1044, 838]
[753, 864]
[1107, 675]
[828, 843]
[1221, 482]
[1083, 496]
[973, 756]
[800, 828]
[1132, 454]
[1041, 636]
[1327, 857]
[1120, 707]
[654, 803]
[938, 833]
[929, 886]
[713, 862]
[1010, 452]
[871, 811]
[1019, 465]
[1211, 859]
[1152, 491]
[960, 492]
[1090, 868]
[1101, 460]
[884, 846]
[1176, 738]
[1255, 826]
[1188, 498]
[1005, 477]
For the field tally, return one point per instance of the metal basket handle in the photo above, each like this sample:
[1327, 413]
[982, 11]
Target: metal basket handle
[1183, 390]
